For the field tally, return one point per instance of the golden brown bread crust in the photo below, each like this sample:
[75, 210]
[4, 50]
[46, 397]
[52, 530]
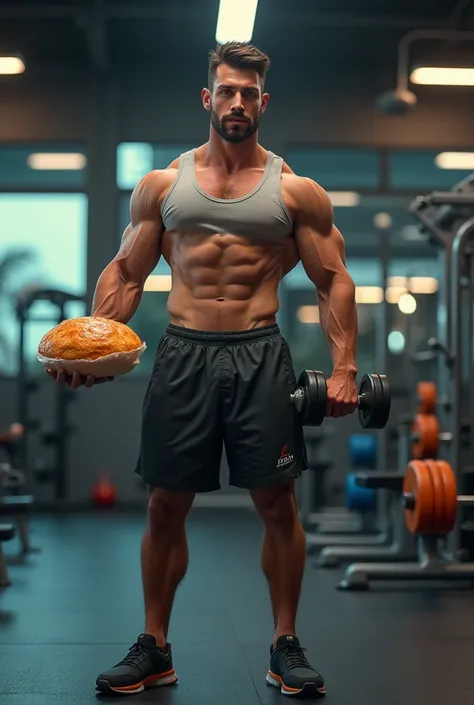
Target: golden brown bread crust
[88, 338]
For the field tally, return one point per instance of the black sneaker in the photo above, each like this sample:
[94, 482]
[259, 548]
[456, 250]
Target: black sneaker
[145, 665]
[291, 672]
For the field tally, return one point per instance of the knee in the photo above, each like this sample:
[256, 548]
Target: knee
[167, 511]
[277, 506]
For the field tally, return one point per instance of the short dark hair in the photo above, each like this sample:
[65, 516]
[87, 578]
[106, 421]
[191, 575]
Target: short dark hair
[239, 55]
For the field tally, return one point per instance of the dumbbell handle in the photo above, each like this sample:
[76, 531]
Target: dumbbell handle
[409, 500]
[298, 396]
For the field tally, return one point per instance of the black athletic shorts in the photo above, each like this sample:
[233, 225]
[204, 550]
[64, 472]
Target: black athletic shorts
[211, 389]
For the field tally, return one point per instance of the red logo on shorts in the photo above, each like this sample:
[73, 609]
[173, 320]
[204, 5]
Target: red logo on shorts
[284, 452]
[285, 457]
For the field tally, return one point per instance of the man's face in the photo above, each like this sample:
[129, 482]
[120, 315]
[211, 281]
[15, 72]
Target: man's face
[235, 103]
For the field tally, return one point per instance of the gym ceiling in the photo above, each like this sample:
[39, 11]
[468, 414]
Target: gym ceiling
[110, 33]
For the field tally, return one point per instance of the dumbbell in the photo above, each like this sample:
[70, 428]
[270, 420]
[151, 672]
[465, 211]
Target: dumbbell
[430, 497]
[310, 399]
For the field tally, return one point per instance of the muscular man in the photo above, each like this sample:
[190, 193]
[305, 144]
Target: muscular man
[231, 219]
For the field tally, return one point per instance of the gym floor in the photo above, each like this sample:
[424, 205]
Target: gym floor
[76, 607]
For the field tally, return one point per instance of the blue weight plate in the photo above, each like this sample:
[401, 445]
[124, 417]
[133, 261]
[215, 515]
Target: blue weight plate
[363, 451]
[361, 499]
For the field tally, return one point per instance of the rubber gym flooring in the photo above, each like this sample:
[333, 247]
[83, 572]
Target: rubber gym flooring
[76, 607]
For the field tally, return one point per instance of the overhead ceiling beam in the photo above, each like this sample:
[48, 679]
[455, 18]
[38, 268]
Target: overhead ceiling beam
[313, 19]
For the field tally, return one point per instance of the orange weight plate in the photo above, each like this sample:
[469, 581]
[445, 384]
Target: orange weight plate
[426, 430]
[450, 492]
[426, 396]
[418, 482]
[438, 525]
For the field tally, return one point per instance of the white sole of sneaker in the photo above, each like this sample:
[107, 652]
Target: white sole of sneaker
[151, 682]
[308, 688]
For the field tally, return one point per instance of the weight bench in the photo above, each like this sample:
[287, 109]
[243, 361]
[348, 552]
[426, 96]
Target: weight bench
[7, 532]
[19, 505]
[399, 544]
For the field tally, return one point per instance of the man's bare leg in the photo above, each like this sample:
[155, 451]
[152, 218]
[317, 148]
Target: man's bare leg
[164, 557]
[283, 562]
[283, 553]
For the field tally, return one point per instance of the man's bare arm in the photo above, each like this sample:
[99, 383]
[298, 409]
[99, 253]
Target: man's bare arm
[120, 286]
[321, 249]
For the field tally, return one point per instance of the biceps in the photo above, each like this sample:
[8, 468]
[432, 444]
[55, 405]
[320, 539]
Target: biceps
[139, 251]
[322, 256]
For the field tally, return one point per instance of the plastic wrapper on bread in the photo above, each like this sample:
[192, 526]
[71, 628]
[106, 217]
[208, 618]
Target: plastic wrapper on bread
[91, 346]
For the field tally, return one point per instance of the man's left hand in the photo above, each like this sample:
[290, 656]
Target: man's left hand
[342, 395]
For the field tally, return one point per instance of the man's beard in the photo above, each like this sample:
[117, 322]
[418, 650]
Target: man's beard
[233, 134]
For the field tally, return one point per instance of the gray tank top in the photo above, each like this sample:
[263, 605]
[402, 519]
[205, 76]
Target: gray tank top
[259, 215]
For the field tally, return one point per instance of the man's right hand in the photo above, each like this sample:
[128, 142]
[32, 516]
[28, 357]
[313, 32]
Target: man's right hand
[76, 380]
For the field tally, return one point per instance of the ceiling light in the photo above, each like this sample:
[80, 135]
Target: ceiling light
[423, 285]
[442, 76]
[11, 65]
[308, 314]
[394, 293]
[344, 199]
[56, 161]
[455, 160]
[235, 20]
[369, 295]
[158, 282]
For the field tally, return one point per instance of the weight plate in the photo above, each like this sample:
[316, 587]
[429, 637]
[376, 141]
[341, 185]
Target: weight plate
[383, 413]
[363, 451]
[426, 430]
[450, 492]
[370, 405]
[417, 482]
[362, 499]
[426, 395]
[438, 523]
[313, 384]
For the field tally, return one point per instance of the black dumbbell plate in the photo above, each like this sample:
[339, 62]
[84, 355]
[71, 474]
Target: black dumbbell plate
[313, 384]
[374, 410]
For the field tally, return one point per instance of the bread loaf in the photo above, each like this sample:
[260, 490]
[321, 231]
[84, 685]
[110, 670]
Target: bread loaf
[91, 345]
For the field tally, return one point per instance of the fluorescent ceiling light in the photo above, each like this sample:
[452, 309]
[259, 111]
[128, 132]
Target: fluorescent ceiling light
[369, 295]
[442, 76]
[10, 65]
[415, 285]
[236, 20]
[397, 281]
[308, 314]
[423, 285]
[158, 282]
[56, 161]
[344, 199]
[394, 293]
[455, 160]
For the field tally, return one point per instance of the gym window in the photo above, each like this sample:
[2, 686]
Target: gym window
[135, 159]
[42, 167]
[418, 171]
[43, 243]
[336, 168]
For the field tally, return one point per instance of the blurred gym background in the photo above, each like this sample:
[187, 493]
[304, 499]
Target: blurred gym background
[94, 94]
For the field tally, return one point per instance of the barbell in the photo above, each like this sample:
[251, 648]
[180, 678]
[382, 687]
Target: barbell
[310, 399]
[430, 497]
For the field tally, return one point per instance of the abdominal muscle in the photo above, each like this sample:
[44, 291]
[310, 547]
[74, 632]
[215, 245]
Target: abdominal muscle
[224, 282]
